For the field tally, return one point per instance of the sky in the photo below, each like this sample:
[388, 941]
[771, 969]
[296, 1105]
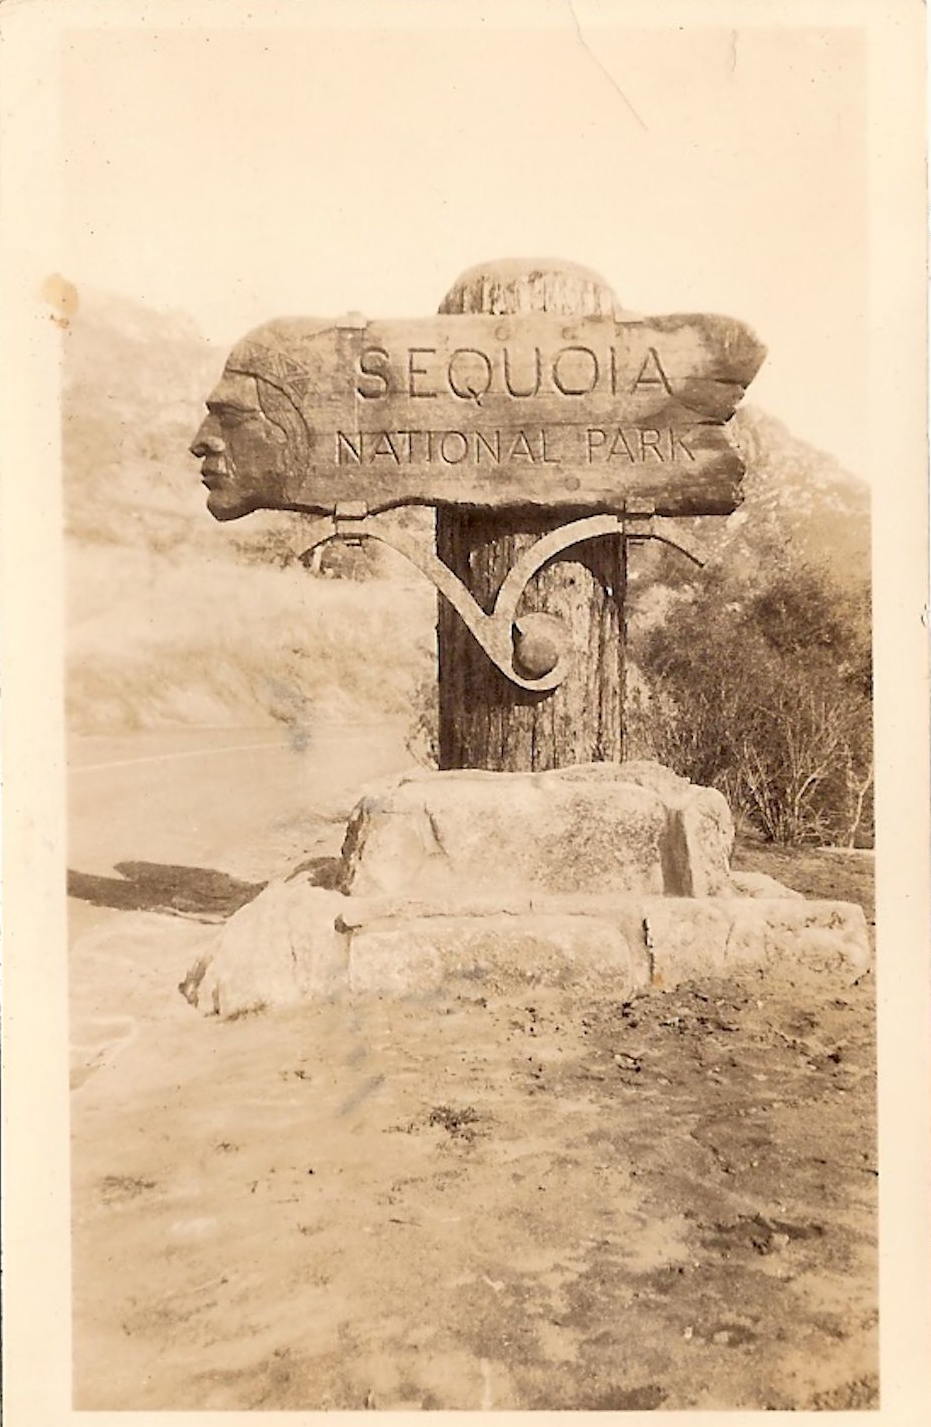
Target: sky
[242, 174]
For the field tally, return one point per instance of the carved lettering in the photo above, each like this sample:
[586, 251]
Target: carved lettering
[678, 440]
[587, 384]
[591, 444]
[659, 376]
[531, 391]
[384, 446]
[469, 372]
[346, 447]
[470, 388]
[493, 450]
[550, 446]
[521, 447]
[649, 441]
[367, 359]
[444, 447]
[415, 371]
[620, 445]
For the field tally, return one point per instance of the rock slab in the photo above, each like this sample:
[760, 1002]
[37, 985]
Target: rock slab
[599, 828]
[301, 942]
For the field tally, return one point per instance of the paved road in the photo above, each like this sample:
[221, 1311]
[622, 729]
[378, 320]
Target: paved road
[248, 803]
[190, 796]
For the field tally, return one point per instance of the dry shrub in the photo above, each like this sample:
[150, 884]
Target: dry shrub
[764, 691]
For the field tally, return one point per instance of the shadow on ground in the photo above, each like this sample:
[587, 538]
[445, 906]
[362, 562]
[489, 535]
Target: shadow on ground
[195, 891]
[157, 886]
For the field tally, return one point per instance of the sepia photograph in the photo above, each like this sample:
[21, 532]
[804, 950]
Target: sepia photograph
[468, 644]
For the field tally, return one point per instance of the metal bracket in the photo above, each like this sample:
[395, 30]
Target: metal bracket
[348, 520]
[531, 649]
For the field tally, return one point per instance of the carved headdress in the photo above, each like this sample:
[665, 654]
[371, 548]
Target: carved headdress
[287, 368]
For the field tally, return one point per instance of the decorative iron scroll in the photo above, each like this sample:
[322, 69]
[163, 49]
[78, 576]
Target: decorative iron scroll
[532, 649]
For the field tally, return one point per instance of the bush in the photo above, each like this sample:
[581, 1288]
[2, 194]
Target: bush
[764, 691]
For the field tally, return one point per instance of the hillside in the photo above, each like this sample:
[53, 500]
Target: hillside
[797, 499]
[797, 493]
[172, 617]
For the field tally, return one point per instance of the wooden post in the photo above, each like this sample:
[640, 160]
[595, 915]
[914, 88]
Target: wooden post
[484, 720]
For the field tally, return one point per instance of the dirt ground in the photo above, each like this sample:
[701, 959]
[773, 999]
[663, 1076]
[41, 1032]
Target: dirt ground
[540, 1201]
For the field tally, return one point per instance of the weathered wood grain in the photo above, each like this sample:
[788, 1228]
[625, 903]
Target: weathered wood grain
[485, 721]
[534, 409]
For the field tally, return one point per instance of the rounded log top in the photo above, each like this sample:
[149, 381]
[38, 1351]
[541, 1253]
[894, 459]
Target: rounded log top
[511, 285]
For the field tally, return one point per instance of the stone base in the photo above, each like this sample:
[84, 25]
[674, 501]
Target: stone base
[608, 877]
[297, 941]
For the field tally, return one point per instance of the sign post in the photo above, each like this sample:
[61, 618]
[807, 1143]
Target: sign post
[548, 430]
[546, 427]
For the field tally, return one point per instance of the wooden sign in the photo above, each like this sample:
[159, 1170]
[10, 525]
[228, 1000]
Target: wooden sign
[532, 410]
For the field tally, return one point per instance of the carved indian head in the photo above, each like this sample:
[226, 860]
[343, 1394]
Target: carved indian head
[255, 439]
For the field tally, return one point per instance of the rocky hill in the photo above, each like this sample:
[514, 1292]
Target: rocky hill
[798, 494]
[133, 382]
[799, 504]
